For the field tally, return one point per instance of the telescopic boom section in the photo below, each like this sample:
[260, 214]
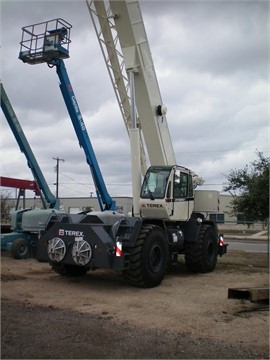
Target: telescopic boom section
[82, 135]
[15, 126]
[137, 56]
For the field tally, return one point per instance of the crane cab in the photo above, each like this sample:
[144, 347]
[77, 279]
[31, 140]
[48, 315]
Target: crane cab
[167, 193]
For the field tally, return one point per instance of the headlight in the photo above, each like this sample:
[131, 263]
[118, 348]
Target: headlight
[81, 252]
[56, 249]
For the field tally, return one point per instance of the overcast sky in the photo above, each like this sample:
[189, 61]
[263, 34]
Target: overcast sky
[212, 64]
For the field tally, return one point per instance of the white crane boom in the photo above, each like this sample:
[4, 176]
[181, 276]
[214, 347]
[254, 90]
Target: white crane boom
[107, 36]
[124, 17]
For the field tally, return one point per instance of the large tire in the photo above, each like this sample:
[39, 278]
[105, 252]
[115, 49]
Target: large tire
[201, 256]
[20, 249]
[68, 270]
[149, 258]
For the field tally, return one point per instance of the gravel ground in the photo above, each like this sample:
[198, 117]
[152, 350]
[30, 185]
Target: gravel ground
[45, 316]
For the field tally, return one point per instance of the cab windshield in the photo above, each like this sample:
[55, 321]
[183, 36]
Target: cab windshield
[154, 184]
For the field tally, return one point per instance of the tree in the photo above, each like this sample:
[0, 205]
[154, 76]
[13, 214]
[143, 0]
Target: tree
[250, 189]
[5, 205]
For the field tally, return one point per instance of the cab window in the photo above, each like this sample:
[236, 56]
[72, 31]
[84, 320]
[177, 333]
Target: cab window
[155, 183]
[190, 187]
[181, 182]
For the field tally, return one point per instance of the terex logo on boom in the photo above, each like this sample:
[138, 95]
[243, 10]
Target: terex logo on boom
[70, 233]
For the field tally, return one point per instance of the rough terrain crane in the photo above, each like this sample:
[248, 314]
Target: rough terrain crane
[168, 225]
[121, 34]
[26, 224]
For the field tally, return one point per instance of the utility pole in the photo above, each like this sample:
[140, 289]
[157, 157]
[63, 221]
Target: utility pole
[57, 174]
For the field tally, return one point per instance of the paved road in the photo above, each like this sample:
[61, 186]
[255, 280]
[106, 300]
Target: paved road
[256, 246]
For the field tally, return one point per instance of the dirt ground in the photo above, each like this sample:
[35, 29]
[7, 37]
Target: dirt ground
[46, 316]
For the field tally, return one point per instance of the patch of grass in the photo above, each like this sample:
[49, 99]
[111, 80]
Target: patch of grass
[246, 258]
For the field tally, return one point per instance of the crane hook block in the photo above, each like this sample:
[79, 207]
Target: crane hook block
[161, 110]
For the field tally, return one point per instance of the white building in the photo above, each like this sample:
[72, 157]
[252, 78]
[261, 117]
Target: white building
[218, 205]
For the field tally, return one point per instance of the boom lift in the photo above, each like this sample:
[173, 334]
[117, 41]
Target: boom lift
[140, 246]
[26, 224]
[48, 42]
[48, 199]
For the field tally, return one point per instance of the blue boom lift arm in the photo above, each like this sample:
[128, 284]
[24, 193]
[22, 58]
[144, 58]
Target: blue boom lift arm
[48, 42]
[18, 133]
[104, 199]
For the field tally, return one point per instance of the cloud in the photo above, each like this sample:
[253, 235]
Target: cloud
[211, 60]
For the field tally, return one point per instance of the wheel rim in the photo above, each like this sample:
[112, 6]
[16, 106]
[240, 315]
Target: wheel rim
[155, 258]
[56, 249]
[22, 249]
[81, 252]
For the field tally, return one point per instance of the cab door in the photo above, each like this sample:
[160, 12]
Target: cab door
[182, 193]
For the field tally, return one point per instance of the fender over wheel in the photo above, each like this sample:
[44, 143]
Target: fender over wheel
[148, 258]
[201, 256]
